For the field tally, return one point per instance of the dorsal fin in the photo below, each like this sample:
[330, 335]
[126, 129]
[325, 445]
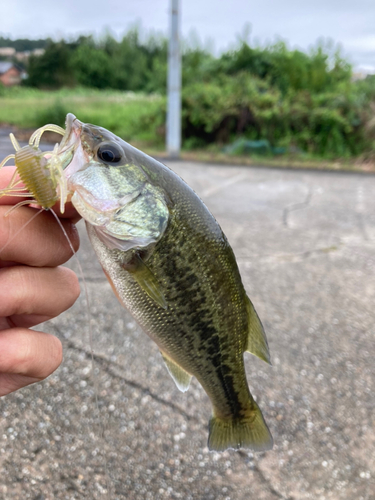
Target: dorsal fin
[180, 376]
[256, 340]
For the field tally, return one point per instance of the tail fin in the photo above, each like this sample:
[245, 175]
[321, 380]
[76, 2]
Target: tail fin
[249, 432]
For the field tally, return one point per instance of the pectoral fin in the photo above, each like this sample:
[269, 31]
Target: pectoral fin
[146, 280]
[256, 341]
[179, 375]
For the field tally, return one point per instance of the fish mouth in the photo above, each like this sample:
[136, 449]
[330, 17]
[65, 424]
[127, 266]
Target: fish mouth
[71, 141]
[73, 128]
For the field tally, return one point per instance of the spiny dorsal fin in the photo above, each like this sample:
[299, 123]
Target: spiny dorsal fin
[256, 340]
[179, 375]
[146, 280]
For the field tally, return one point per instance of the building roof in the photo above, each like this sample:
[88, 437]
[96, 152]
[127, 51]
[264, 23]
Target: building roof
[5, 66]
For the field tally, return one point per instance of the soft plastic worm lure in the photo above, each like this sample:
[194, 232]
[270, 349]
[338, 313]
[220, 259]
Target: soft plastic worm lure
[41, 172]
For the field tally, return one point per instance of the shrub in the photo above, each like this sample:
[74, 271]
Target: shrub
[325, 124]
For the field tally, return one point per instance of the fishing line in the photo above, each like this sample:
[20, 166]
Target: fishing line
[91, 343]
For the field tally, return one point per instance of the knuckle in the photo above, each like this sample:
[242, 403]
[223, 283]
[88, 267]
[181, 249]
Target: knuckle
[38, 354]
[23, 356]
[15, 288]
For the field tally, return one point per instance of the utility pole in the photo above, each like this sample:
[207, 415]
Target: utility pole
[174, 84]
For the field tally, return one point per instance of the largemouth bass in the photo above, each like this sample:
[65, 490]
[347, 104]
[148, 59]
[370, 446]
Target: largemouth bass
[172, 267]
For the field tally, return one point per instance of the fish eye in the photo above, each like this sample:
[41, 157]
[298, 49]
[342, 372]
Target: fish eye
[109, 153]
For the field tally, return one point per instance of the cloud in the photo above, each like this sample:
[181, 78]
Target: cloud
[301, 23]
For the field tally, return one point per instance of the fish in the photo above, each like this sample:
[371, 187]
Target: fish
[171, 266]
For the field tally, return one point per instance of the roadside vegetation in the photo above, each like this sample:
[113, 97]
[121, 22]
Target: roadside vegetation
[126, 114]
[260, 101]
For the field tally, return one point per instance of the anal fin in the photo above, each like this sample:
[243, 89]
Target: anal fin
[256, 341]
[180, 376]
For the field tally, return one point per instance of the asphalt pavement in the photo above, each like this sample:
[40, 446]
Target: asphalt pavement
[304, 242]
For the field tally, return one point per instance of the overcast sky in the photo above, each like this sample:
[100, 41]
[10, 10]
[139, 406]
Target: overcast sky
[219, 22]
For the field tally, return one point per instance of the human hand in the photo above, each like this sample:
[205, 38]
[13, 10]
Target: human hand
[33, 289]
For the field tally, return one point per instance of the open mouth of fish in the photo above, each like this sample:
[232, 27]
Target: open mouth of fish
[73, 144]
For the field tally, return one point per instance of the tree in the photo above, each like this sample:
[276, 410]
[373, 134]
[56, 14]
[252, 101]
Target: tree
[52, 69]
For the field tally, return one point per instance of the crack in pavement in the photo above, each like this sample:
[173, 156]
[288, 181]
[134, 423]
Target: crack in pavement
[110, 368]
[288, 257]
[229, 182]
[263, 478]
[296, 206]
[360, 210]
[268, 484]
[107, 364]
[362, 226]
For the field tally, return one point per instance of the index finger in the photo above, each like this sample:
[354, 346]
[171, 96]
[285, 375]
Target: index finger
[35, 239]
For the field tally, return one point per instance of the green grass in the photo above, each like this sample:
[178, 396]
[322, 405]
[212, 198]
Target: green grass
[126, 114]
[137, 119]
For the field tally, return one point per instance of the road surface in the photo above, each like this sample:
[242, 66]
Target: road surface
[305, 245]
